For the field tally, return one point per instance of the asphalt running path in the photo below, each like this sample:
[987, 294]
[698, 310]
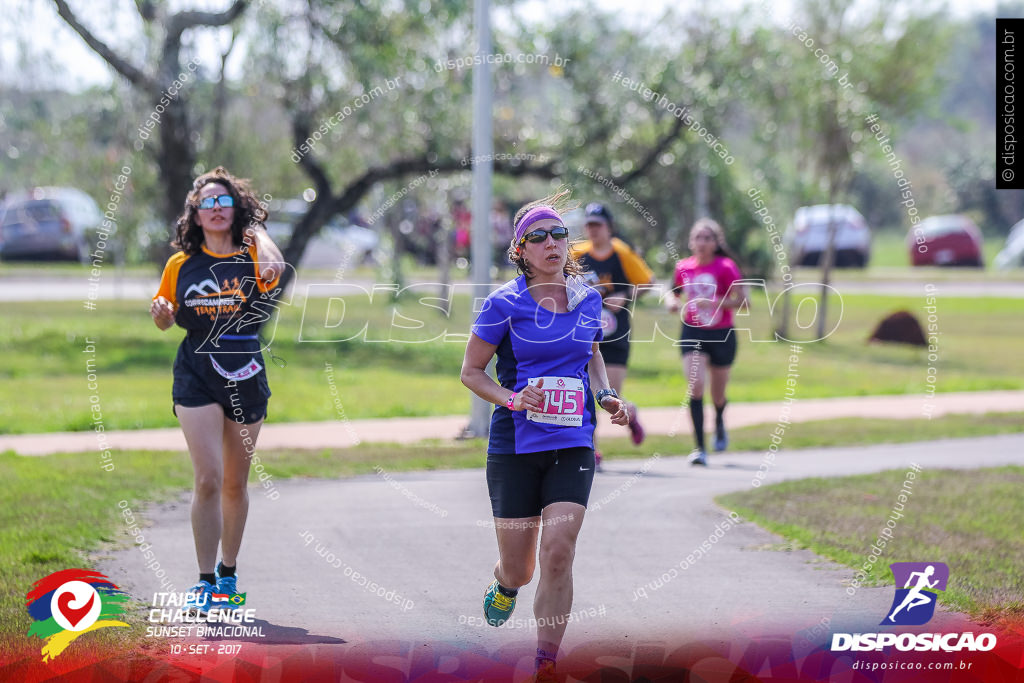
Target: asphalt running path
[671, 421]
[427, 537]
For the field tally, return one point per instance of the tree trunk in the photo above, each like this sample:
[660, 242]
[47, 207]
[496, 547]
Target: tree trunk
[394, 222]
[443, 254]
[176, 158]
[827, 259]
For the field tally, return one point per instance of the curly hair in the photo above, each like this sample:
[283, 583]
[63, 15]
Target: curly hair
[559, 201]
[188, 234]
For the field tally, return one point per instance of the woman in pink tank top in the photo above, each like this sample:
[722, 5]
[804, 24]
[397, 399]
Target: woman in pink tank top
[708, 286]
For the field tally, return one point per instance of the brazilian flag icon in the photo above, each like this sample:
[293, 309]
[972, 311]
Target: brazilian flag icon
[237, 598]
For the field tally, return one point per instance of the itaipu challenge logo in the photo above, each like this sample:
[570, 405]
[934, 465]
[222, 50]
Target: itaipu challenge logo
[914, 603]
[70, 603]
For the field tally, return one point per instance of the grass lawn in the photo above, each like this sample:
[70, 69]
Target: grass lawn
[413, 371]
[67, 506]
[950, 517]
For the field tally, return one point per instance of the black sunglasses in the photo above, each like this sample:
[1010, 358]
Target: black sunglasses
[225, 201]
[559, 232]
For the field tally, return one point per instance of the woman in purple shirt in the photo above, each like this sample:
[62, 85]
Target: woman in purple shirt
[543, 327]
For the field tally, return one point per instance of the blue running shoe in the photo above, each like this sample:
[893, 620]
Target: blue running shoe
[699, 457]
[497, 606]
[721, 440]
[225, 595]
[199, 597]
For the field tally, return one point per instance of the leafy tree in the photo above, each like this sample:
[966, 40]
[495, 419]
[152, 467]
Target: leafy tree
[844, 66]
[176, 154]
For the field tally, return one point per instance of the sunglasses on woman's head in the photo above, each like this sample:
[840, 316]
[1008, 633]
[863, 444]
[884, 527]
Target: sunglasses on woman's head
[225, 201]
[559, 232]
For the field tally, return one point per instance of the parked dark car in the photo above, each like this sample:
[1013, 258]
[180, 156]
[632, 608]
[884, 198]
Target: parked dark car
[49, 223]
[807, 236]
[946, 241]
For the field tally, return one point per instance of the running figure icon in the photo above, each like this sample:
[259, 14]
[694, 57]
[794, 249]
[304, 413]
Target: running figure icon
[916, 597]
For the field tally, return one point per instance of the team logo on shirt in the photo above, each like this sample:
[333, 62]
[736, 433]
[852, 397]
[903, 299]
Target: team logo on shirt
[701, 300]
[207, 287]
[605, 284]
[215, 301]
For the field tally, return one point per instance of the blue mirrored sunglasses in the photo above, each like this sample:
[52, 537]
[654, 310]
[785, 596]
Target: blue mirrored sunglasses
[225, 201]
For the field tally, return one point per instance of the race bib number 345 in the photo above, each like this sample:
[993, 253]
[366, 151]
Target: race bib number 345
[563, 402]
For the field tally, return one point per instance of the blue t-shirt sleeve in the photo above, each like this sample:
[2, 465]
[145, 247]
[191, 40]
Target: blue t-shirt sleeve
[494, 320]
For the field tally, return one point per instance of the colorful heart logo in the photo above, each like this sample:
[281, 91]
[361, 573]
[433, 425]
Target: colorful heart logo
[73, 615]
[69, 603]
[75, 605]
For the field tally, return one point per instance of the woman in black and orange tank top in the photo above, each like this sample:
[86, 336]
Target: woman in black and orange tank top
[219, 287]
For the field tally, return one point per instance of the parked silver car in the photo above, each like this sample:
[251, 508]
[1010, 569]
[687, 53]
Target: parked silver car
[48, 223]
[339, 242]
[807, 236]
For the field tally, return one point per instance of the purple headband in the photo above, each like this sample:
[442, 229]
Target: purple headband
[535, 214]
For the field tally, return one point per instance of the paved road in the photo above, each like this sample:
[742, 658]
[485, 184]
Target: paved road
[427, 537]
[340, 434]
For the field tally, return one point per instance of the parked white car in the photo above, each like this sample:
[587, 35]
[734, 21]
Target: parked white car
[1012, 253]
[807, 236]
[338, 242]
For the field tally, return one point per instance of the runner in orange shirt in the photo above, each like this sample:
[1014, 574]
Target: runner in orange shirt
[621, 276]
[219, 288]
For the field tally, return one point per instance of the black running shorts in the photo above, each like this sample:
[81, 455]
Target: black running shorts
[197, 383]
[615, 352]
[718, 344]
[522, 485]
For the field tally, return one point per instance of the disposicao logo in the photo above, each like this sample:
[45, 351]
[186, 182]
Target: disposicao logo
[69, 603]
[914, 605]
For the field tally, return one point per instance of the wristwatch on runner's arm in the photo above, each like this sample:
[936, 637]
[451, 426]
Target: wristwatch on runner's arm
[600, 395]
